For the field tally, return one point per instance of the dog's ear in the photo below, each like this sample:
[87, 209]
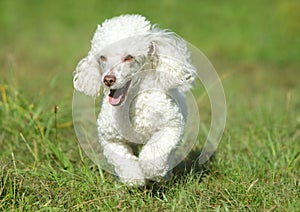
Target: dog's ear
[174, 62]
[152, 49]
[87, 76]
[152, 54]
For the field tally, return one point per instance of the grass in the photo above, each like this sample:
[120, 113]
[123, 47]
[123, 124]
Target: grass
[257, 165]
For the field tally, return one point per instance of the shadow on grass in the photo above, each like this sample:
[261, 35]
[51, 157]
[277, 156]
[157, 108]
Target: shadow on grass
[188, 169]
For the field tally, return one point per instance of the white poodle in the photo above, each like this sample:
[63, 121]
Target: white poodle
[145, 72]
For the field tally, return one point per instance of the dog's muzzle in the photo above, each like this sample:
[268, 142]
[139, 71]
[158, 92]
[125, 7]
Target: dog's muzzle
[117, 96]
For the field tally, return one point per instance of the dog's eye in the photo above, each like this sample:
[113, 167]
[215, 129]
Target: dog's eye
[128, 58]
[102, 58]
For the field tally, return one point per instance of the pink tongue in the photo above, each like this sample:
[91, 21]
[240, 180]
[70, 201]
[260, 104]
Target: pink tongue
[116, 96]
[114, 101]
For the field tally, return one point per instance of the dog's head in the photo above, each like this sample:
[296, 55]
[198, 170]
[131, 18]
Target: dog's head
[124, 46]
[112, 57]
[120, 63]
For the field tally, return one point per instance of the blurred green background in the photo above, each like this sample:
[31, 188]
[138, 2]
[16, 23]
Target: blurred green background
[254, 46]
[42, 41]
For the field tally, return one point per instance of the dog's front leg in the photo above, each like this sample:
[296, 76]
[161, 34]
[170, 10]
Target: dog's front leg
[156, 156]
[125, 164]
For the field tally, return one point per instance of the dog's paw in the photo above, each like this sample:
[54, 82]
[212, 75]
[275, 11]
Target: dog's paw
[132, 176]
[133, 182]
[154, 169]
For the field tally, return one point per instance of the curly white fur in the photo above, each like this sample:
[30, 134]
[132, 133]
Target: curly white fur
[145, 72]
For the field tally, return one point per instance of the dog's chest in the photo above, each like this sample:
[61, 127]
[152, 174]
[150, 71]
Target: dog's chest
[140, 117]
[152, 111]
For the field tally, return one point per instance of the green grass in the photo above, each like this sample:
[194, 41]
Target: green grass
[254, 47]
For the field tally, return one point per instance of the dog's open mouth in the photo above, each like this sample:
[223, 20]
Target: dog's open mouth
[117, 96]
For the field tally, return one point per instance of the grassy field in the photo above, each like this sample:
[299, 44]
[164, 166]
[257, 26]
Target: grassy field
[254, 46]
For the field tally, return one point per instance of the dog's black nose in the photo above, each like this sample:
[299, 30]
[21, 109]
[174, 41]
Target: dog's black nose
[109, 80]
